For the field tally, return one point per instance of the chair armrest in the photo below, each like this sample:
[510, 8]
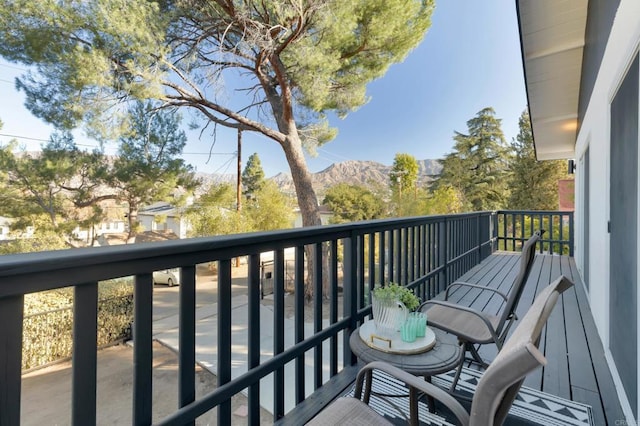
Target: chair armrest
[461, 308]
[417, 383]
[479, 287]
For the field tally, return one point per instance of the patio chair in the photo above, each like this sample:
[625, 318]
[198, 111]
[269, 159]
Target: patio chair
[474, 327]
[495, 392]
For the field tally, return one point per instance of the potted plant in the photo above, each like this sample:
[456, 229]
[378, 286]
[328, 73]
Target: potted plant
[390, 305]
[395, 291]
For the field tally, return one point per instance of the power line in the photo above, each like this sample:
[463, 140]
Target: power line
[24, 137]
[13, 67]
[232, 154]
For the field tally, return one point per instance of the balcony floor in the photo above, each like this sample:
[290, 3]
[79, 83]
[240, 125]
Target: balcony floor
[576, 367]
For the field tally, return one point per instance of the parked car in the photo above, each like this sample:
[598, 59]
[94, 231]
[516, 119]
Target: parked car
[170, 277]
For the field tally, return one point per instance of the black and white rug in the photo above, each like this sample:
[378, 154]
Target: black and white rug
[531, 407]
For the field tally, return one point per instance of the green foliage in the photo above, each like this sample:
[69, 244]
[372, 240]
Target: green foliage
[268, 209]
[478, 166]
[444, 200]
[42, 241]
[534, 184]
[252, 176]
[395, 291]
[64, 187]
[404, 174]
[48, 323]
[296, 62]
[148, 168]
[351, 203]
[44, 190]
[521, 227]
[215, 211]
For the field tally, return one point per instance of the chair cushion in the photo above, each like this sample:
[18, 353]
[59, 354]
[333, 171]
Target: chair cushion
[348, 411]
[464, 324]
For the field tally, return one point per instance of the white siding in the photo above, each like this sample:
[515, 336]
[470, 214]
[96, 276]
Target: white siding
[595, 131]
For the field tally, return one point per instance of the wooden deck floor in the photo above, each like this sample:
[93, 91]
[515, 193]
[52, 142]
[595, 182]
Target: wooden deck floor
[576, 367]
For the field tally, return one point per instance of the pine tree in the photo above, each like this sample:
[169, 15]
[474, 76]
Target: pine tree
[478, 166]
[252, 176]
[534, 184]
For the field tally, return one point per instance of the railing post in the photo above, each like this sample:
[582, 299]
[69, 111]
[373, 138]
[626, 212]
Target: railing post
[479, 237]
[187, 337]
[224, 335]
[350, 295]
[254, 271]
[442, 253]
[298, 329]
[142, 349]
[278, 335]
[571, 235]
[84, 365]
[11, 318]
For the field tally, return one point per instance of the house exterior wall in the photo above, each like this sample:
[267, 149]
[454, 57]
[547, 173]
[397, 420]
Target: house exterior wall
[594, 133]
[600, 17]
[177, 225]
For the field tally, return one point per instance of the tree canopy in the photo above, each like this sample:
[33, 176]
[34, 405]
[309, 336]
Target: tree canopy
[214, 213]
[350, 203]
[147, 168]
[404, 174]
[534, 184]
[53, 190]
[63, 187]
[294, 61]
[478, 166]
[252, 176]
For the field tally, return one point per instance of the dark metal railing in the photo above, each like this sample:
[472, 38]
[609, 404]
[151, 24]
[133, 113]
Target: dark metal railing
[424, 253]
[515, 227]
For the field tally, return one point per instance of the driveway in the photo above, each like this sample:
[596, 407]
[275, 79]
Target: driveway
[46, 393]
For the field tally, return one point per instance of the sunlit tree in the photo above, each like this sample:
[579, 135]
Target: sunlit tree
[478, 166]
[534, 184]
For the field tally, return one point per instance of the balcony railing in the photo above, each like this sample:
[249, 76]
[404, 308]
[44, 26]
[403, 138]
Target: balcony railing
[424, 253]
[515, 227]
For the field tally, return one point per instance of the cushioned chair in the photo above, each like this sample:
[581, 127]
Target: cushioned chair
[495, 392]
[475, 327]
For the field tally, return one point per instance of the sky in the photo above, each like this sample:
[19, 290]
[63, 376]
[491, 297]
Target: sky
[469, 59]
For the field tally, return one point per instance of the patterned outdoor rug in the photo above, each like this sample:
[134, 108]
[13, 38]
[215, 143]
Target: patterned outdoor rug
[531, 407]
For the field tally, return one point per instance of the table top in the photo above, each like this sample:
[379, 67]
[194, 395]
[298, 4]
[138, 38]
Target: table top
[445, 355]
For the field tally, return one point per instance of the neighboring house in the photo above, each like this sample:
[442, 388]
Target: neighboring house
[582, 73]
[5, 228]
[163, 216]
[325, 216]
[107, 227]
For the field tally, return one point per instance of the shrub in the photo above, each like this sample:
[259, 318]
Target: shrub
[48, 322]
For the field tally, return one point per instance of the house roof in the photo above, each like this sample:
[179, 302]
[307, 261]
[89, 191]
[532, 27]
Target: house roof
[159, 208]
[552, 37]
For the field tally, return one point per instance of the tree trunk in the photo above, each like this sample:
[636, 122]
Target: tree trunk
[309, 210]
[307, 200]
[133, 221]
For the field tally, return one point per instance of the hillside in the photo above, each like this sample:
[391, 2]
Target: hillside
[366, 173]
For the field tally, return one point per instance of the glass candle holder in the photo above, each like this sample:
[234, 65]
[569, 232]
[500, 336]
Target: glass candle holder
[420, 320]
[408, 331]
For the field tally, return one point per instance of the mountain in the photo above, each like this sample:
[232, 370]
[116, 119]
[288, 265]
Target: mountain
[365, 173]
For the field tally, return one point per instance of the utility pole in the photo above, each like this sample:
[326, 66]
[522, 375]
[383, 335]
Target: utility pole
[239, 183]
[239, 180]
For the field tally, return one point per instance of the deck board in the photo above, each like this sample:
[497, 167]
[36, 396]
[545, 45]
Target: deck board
[576, 367]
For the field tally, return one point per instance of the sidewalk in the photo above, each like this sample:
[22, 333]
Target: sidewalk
[166, 331]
